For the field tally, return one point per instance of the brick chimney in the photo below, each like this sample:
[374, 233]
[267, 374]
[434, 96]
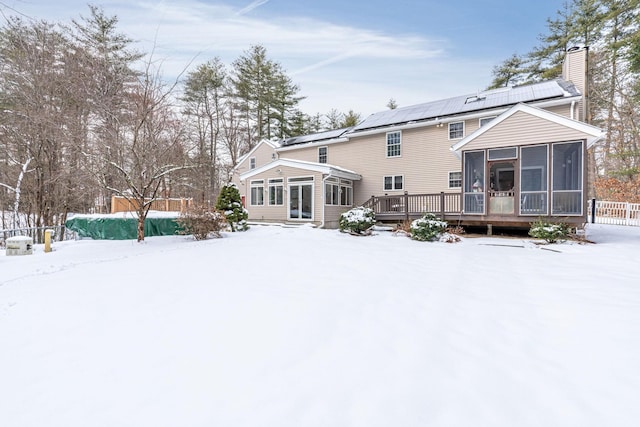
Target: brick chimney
[575, 69]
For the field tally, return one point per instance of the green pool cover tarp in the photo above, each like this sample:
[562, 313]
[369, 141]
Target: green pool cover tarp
[120, 228]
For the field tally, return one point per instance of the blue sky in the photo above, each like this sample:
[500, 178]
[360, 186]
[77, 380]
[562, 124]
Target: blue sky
[344, 55]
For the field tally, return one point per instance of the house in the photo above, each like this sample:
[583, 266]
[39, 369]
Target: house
[504, 157]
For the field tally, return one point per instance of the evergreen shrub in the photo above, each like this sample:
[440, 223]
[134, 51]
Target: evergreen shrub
[549, 232]
[427, 228]
[230, 203]
[357, 220]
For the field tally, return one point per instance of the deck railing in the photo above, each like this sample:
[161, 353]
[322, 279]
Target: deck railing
[615, 213]
[408, 206]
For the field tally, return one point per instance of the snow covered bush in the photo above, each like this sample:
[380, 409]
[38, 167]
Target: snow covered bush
[230, 202]
[357, 220]
[550, 232]
[427, 228]
[202, 222]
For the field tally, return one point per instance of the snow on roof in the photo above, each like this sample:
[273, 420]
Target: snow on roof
[323, 168]
[315, 137]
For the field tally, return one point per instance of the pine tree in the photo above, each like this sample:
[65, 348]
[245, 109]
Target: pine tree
[511, 72]
[284, 100]
[620, 155]
[545, 60]
[205, 90]
[230, 202]
[265, 94]
[350, 119]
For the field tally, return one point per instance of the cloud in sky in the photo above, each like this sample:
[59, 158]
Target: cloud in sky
[250, 7]
[336, 65]
[329, 62]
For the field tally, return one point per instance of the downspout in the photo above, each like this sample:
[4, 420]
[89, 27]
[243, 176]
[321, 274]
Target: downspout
[573, 107]
[324, 196]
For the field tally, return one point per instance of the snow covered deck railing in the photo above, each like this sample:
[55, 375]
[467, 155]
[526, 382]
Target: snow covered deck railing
[409, 206]
[615, 213]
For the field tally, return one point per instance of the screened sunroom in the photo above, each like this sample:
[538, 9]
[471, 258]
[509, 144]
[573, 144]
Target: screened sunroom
[537, 180]
[539, 171]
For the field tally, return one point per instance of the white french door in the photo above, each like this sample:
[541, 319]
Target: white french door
[301, 201]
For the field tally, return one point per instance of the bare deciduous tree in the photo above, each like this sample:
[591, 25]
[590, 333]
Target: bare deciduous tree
[152, 147]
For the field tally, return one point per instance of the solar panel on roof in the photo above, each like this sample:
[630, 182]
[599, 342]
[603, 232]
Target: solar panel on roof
[489, 99]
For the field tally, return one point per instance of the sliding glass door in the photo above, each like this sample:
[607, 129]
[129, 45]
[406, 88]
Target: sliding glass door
[300, 198]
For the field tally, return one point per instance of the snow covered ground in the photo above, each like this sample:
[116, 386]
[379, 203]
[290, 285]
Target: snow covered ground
[305, 327]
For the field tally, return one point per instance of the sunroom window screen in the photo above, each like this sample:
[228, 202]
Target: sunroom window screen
[533, 180]
[474, 182]
[567, 179]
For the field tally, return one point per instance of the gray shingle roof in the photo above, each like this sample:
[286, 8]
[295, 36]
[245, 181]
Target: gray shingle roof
[469, 103]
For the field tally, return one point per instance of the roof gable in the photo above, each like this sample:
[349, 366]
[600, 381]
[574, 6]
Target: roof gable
[543, 126]
[262, 142]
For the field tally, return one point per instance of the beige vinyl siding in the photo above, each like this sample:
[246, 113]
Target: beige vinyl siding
[523, 129]
[561, 110]
[425, 160]
[574, 70]
[269, 213]
[263, 154]
[332, 215]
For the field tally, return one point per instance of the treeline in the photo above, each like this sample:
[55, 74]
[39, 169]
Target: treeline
[83, 116]
[611, 30]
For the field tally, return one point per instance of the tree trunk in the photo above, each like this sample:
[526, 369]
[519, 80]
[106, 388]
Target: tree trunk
[141, 217]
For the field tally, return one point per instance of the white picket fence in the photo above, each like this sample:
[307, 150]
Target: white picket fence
[616, 213]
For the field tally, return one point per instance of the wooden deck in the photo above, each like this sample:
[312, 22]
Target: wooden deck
[448, 206]
[412, 206]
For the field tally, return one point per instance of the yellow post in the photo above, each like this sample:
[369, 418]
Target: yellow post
[47, 240]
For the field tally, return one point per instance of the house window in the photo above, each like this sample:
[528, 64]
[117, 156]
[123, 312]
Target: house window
[502, 153]
[567, 179]
[394, 182]
[322, 154]
[338, 192]
[456, 130]
[346, 194]
[276, 192]
[301, 179]
[252, 163]
[332, 191]
[393, 144]
[257, 193]
[455, 179]
[486, 120]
